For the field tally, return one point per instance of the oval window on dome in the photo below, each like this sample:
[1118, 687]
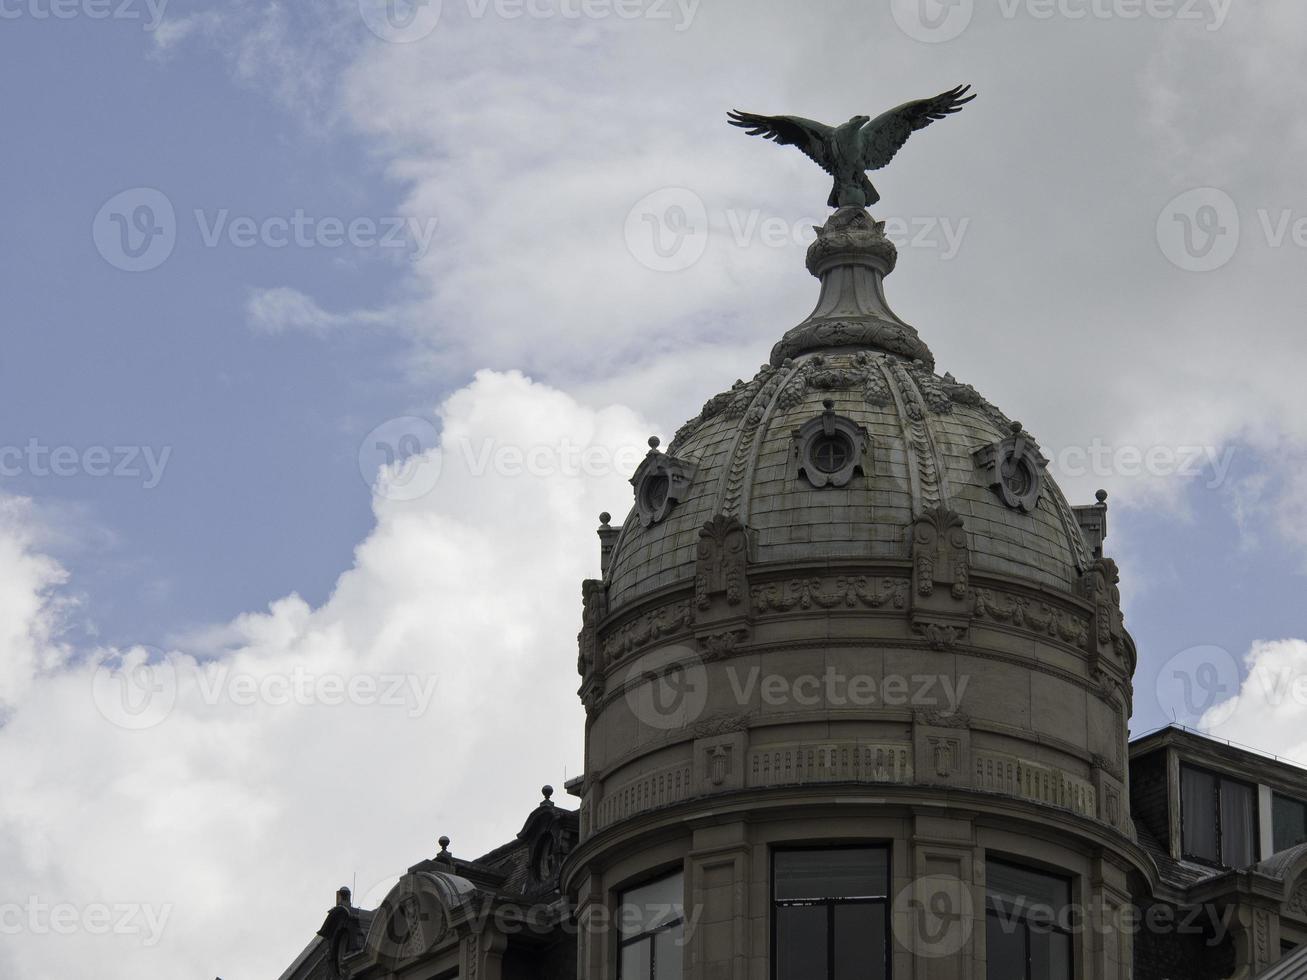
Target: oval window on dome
[829, 449]
[653, 492]
[830, 454]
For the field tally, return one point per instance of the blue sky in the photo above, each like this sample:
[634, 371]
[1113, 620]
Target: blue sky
[262, 493]
[523, 145]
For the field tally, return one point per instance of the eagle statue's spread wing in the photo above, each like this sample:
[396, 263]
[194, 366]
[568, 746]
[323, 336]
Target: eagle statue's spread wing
[885, 135]
[813, 138]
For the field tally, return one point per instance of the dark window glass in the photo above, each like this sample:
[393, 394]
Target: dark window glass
[1218, 819]
[801, 942]
[859, 940]
[831, 914]
[1289, 822]
[1005, 944]
[655, 492]
[1026, 923]
[652, 934]
[1198, 814]
[1238, 824]
[830, 454]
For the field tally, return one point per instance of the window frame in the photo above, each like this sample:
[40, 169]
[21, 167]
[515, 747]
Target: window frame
[1023, 917]
[1277, 797]
[831, 904]
[651, 936]
[1220, 779]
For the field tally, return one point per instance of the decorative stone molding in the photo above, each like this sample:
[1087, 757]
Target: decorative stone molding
[1101, 587]
[661, 482]
[719, 763]
[926, 474]
[1297, 903]
[722, 563]
[830, 449]
[942, 603]
[851, 255]
[831, 762]
[649, 627]
[822, 372]
[848, 591]
[593, 603]
[943, 752]
[647, 792]
[1001, 773]
[722, 642]
[1036, 616]
[1013, 469]
[1113, 801]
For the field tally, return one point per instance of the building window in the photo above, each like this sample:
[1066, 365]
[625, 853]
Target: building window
[830, 914]
[651, 924]
[1288, 822]
[1027, 920]
[829, 449]
[1218, 819]
[830, 454]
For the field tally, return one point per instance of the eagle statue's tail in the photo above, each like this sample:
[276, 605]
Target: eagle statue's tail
[857, 193]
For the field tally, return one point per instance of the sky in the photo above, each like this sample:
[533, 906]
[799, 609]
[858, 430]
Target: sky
[310, 311]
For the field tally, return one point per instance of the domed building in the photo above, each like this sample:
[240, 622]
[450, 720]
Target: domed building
[857, 694]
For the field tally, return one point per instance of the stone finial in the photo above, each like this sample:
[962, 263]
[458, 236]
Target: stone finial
[851, 256]
[607, 542]
[444, 848]
[343, 897]
[1092, 519]
[547, 792]
[654, 443]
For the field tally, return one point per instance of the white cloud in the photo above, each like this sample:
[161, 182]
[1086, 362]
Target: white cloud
[31, 611]
[284, 309]
[1270, 710]
[234, 822]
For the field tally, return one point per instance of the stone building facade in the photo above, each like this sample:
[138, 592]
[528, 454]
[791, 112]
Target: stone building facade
[857, 692]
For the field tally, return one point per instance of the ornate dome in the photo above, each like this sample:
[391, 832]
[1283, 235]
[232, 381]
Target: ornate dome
[836, 447]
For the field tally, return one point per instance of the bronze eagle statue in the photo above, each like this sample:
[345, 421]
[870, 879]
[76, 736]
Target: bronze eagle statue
[848, 151]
